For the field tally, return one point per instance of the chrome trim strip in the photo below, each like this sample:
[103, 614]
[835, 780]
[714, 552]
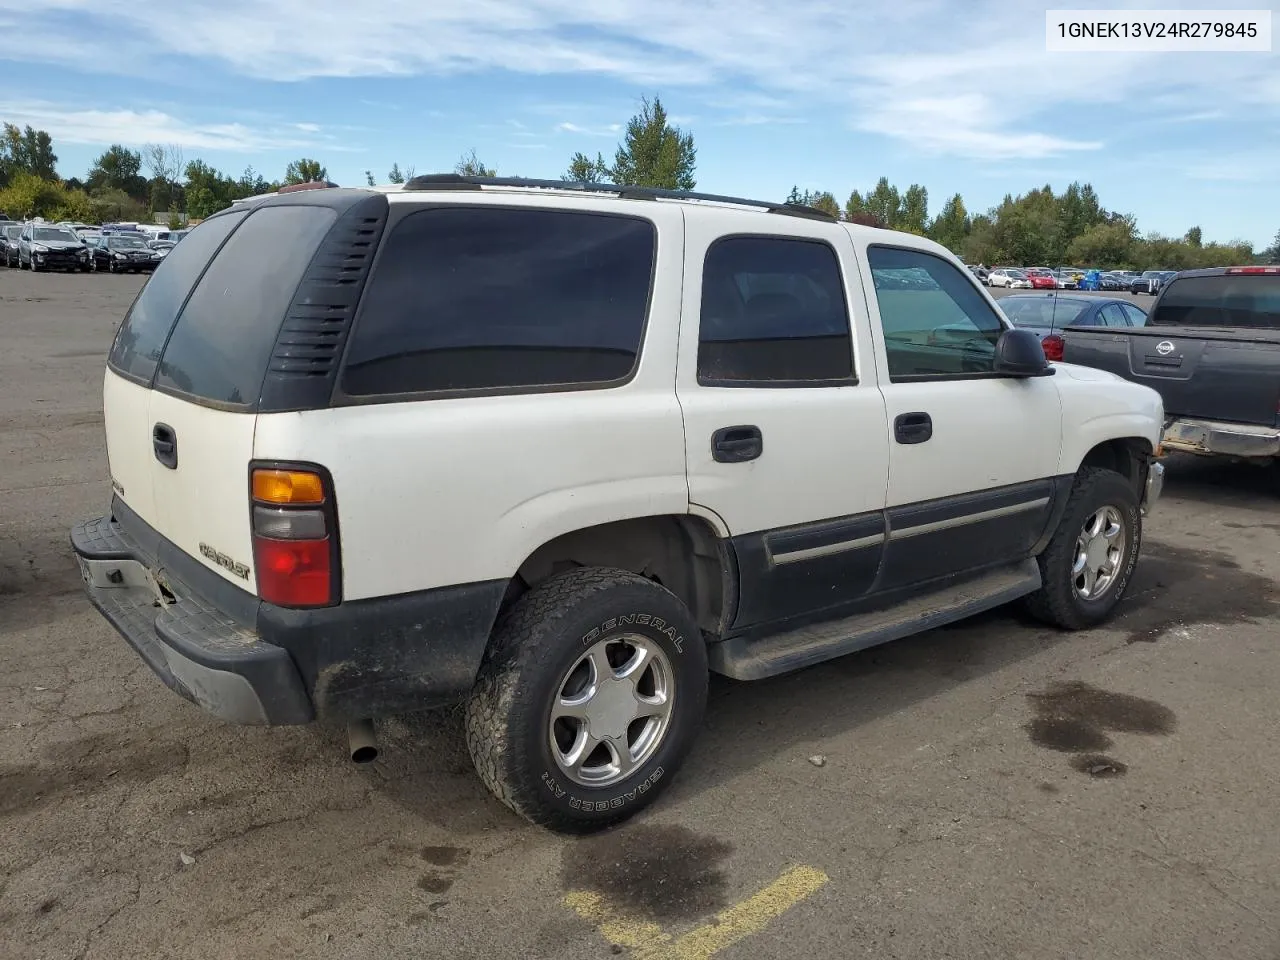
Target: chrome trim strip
[826, 550]
[967, 519]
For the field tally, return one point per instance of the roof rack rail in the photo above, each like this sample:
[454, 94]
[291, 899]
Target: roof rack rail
[454, 181]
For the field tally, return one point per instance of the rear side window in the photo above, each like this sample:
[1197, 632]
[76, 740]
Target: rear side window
[222, 343]
[501, 298]
[138, 344]
[773, 313]
[1240, 300]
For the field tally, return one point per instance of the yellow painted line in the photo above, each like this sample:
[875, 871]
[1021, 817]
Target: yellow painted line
[637, 935]
[647, 941]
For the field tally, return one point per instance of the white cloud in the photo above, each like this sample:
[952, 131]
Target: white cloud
[136, 127]
[911, 70]
[608, 130]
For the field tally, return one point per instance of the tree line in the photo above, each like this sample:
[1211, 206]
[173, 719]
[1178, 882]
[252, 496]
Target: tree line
[1039, 227]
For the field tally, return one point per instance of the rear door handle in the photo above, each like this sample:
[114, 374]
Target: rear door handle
[164, 441]
[737, 444]
[912, 427]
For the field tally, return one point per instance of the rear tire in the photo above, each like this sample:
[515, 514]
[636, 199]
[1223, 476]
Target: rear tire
[1100, 499]
[545, 661]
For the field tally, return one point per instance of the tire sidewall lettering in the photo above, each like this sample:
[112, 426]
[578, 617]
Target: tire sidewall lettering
[635, 619]
[574, 802]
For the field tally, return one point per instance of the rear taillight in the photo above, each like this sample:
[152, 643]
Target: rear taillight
[1253, 269]
[295, 536]
[1053, 347]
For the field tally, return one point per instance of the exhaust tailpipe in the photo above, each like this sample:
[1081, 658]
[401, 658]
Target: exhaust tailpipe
[362, 741]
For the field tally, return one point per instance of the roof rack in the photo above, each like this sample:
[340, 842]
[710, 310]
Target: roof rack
[454, 181]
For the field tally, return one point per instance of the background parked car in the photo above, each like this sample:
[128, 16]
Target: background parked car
[1042, 278]
[9, 233]
[45, 247]
[1151, 281]
[979, 271]
[123, 252]
[1046, 315]
[1008, 277]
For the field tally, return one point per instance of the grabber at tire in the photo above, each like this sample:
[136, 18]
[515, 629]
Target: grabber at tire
[589, 699]
[1090, 559]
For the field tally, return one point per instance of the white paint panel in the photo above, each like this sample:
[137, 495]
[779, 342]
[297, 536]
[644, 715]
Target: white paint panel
[125, 406]
[825, 453]
[206, 499]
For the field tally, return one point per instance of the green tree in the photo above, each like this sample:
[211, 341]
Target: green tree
[26, 150]
[951, 226]
[1194, 237]
[825, 202]
[395, 176]
[653, 153]
[884, 203]
[471, 166]
[117, 168]
[582, 169]
[1272, 253]
[368, 176]
[914, 214]
[202, 203]
[794, 196]
[1104, 245]
[305, 171]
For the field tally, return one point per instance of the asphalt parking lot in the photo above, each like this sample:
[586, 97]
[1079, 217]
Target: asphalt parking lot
[993, 789]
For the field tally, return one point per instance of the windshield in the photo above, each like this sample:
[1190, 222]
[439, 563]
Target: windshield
[1015, 273]
[1225, 301]
[46, 234]
[1042, 312]
[129, 243]
[13, 233]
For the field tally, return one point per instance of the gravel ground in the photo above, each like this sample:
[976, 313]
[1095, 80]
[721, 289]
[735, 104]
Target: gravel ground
[993, 789]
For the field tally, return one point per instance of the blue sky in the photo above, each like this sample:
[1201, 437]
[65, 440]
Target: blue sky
[959, 96]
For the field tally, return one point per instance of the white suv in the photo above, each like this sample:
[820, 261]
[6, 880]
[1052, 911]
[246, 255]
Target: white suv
[559, 452]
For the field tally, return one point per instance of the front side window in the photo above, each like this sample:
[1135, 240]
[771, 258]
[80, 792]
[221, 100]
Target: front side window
[773, 313]
[936, 323]
[503, 299]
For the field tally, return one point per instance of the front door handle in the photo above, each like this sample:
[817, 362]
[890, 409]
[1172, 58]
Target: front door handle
[737, 444]
[164, 441]
[912, 427]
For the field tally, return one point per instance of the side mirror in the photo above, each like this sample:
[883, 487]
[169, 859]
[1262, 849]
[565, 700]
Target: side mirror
[1019, 354]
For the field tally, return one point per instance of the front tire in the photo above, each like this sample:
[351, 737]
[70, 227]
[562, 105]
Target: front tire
[1088, 563]
[589, 699]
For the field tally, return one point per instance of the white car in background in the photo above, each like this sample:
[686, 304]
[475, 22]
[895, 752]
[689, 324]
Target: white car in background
[1008, 277]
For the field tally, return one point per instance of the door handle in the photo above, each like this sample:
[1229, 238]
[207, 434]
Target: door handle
[736, 444]
[912, 427]
[164, 442]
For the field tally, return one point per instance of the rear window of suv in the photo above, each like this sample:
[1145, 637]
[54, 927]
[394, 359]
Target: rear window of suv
[500, 299]
[222, 342]
[138, 345]
[1230, 300]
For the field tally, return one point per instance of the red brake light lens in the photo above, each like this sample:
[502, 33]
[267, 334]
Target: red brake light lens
[1253, 269]
[295, 535]
[294, 573]
[1053, 347]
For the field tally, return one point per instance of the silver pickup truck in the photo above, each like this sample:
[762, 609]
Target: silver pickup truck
[1211, 347]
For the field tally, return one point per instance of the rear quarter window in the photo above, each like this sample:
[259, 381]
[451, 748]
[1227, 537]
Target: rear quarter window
[222, 342]
[502, 299]
[140, 340]
[1231, 300]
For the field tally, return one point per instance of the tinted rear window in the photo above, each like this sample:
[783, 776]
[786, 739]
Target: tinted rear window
[141, 338]
[1248, 300]
[222, 343]
[1047, 313]
[502, 298]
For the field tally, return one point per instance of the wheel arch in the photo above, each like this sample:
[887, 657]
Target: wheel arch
[682, 552]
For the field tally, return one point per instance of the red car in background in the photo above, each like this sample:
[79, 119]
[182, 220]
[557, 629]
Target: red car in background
[1042, 278]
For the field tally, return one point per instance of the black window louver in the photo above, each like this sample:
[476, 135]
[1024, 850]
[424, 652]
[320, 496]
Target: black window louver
[307, 351]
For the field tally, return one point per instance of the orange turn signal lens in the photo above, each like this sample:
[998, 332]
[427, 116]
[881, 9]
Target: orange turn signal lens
[287, 487]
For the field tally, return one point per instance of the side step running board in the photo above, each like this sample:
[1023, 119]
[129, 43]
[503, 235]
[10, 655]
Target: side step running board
[755, 659]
